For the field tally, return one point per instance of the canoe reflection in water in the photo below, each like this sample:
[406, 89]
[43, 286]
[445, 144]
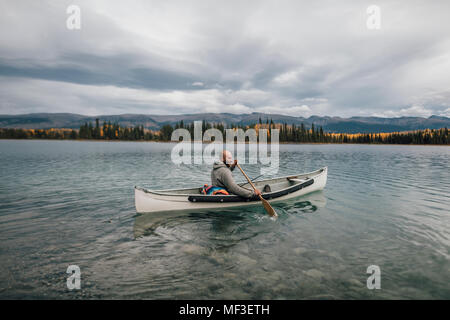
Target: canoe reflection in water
[228, 221]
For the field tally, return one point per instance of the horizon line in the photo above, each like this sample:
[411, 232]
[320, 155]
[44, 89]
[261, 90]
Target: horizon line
[229, 113]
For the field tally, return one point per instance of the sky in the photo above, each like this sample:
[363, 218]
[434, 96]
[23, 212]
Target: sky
[297, 58]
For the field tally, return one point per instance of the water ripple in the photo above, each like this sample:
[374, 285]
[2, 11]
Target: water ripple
[64, 202]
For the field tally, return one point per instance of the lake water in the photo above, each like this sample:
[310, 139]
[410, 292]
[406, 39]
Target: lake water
[72, 203]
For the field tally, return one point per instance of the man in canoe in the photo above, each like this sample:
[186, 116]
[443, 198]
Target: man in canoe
[221, 176]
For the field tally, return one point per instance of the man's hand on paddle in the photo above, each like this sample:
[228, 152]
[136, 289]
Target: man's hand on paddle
[257, 192]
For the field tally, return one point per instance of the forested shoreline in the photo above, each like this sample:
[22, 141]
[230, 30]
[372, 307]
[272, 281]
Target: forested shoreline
[287, 134]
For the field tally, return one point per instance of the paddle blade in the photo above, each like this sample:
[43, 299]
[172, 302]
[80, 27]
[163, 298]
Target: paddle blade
[269, 208]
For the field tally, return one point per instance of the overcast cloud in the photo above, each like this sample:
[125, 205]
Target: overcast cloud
[297, 58]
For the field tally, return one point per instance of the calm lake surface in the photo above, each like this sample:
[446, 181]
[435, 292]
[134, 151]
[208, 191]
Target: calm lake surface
[72, 203]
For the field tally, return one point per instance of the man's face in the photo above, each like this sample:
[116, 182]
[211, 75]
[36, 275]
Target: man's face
[228, 158]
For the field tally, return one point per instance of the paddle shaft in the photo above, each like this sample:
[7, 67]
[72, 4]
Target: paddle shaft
[264, 202]
[248, 179]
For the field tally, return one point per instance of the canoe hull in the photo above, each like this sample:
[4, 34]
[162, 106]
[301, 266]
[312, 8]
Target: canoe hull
[148, 201]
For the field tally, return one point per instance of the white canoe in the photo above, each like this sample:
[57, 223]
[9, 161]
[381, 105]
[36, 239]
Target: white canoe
[191, 199]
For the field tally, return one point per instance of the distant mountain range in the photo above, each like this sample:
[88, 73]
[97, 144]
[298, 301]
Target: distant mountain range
[330, 124]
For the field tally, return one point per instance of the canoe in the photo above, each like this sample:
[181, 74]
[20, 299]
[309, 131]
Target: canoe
[191, 199]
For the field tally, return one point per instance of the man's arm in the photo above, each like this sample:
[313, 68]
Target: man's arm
[230, 184]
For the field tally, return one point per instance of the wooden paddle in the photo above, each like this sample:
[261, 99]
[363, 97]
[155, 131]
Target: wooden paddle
[265, 203]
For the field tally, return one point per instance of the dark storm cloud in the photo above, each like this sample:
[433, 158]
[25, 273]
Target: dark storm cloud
[89, 69]
[292, 57]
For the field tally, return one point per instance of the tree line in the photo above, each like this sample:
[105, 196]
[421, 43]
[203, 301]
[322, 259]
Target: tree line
[287, 133]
